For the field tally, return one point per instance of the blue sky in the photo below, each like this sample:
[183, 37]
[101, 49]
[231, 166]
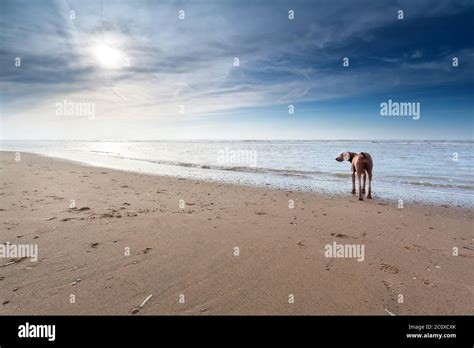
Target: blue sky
[137, 62]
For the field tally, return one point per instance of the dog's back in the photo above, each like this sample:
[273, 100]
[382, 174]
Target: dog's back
[366, 155]
[364, 162]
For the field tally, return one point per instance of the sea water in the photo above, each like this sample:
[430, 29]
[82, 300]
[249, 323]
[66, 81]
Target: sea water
[440, 172]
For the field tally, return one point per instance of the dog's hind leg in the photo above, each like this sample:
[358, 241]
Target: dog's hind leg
[369, 194]
[353, 182]
[360, 187]
[363, 182]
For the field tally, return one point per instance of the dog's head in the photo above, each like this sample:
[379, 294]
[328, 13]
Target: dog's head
[345, 156]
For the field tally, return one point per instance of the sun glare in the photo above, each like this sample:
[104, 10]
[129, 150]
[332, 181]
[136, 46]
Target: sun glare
[108, 57]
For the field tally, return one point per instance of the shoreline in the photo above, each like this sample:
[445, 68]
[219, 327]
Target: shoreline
[325, 194]
[190, 251]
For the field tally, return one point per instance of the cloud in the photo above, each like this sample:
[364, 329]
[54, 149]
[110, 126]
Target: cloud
[190, 62]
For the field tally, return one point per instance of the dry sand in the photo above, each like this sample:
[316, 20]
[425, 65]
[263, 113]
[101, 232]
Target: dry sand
[190, 251]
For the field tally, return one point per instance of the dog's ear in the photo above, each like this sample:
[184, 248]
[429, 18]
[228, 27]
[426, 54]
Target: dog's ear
[346, 156]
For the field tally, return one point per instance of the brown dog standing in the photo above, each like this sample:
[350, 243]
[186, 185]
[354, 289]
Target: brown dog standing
[361, 165]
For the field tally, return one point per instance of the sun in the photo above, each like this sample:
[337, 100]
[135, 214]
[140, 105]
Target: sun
[108, 57]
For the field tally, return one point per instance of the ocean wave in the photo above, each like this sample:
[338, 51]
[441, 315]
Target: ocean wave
[294, 172]
[245, 169]
[438, 185]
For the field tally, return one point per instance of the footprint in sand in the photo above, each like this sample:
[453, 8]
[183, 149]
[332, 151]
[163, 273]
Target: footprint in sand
[392, 286]
[413, 247]
[339, 235]
[389, 268]
[77, 210]
[70, 218]
[394, 289]
[428, 283]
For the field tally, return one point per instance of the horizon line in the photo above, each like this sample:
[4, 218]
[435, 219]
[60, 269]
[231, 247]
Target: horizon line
[196, 139]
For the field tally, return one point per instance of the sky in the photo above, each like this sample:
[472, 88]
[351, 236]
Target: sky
[125, 70]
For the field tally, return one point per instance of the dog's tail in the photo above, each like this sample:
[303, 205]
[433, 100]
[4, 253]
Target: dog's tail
[363, 155]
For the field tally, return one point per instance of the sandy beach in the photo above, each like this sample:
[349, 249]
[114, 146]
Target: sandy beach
[204, 248]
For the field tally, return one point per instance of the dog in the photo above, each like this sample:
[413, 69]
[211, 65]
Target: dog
[361, 165]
